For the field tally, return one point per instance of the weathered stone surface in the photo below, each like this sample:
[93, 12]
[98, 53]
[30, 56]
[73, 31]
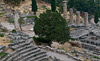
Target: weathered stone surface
[86, 19]
[78, 17]
[71, 16]
[65, 9]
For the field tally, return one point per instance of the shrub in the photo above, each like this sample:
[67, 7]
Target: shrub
[72, 39]
[2, 13]
[29, 16]
[13, 31]
[39, 40]
[3, 54]
[4, 30]
[1, 35]
[11, 20]
[11, 41]
[96, 57]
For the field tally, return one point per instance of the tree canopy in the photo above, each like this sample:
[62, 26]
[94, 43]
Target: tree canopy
[89, 6]
[13, 2]
[96, 19]
[34, 6]
[21, 21]
[52, 26]
[53, 5]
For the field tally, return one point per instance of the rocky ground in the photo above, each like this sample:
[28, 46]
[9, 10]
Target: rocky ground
[27, 29]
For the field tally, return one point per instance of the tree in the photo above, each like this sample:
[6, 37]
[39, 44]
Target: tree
[60, 9]
[34, 6]
[21, 21]
[96, 20]
[52, 27]
[53, 5]
[23, 0]
[12, 2]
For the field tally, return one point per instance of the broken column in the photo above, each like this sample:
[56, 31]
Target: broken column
[16, 18]
[78, 17]
[71, 16]
[65, 9]
[86, 19]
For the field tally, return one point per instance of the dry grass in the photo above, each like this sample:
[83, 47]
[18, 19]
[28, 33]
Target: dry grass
[4, 41]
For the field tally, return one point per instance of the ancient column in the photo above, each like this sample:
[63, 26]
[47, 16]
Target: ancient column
[78, 17]
[65, 9]
[16, 18]
[71, 16]
[86, 19]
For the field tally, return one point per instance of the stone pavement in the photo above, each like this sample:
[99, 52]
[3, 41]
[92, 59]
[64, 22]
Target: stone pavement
[26, 29]
[59, 56]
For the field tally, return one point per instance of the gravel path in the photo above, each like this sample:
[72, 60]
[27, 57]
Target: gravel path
[26, 28]
[8, 25]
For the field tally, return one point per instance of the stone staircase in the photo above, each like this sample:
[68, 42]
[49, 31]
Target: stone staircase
[25, 51]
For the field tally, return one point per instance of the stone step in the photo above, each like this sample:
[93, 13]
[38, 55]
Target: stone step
[18, 46]
[37, 57]
[24, 51]
[43, 58]
[32, 56]
[26, 54]
[15, 52]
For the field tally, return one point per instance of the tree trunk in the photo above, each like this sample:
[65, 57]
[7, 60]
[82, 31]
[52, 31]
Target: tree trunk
[20, 27]
[34, 13]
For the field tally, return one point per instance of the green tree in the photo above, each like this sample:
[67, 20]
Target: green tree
[34, 6]
[12, 2]
[96, 20]
[53, 5]
[60, 9]
[52, 27]
[23, 0]
[21, 21]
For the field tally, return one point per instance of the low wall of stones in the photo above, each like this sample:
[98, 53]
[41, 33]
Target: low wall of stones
[95, 49]
[61, 52]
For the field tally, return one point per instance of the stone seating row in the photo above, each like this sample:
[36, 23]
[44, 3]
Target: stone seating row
[42, 59]
[2, 47]
[33, 55]
[27, 54]
[92, 42]
[24, 51]
[15, 52]
[20, 47]
[16, 46]
[38, 57]
[15, 43]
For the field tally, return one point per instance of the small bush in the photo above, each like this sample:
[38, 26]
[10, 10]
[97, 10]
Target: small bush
[11, 41]
[96, 57]
[35, 17]
[3, 54]
[40, 41]
[11, 20]
[13, 31]
[1, 35]
[2, 13]
[72, 39]
[30, 16]
[4, 30]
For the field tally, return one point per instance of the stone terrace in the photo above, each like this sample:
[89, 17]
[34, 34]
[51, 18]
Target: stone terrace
[23, 49]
